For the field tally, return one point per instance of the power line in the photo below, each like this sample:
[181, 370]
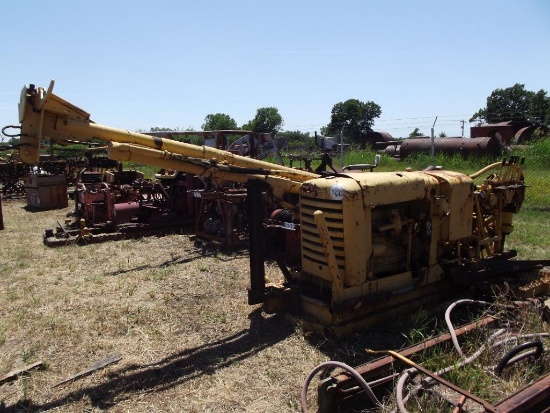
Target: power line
[392, 121]
[421, 117]
[420, 122]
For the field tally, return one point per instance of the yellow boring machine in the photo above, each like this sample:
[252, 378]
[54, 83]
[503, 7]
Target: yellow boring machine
[352, 247]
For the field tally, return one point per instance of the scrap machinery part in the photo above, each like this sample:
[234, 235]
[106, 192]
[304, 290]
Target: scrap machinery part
[333, 391]
[12, 174]
[371, 244]
[221, 216]
[43, 114]
[112, 205]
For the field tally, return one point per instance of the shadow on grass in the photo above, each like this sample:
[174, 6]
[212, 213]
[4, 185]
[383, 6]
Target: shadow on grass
[222, 257]
[392, 334]
[350, 349]
[175, 369]
[32, 209]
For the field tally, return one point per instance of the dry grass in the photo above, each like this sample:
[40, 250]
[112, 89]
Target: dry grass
[180, 320]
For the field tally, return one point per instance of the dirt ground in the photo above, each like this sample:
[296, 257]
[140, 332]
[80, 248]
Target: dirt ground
[179, 320]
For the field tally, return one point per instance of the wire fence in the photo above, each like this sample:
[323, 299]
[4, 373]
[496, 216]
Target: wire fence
[537, 193]
[466, 155]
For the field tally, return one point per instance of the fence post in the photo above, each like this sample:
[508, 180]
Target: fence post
[1, 215]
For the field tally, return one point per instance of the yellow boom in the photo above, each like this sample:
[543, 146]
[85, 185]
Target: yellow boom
[44, 115]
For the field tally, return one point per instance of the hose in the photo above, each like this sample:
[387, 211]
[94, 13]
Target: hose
[350, 370]
[487, 168]
[518, 349]
[450, 325]
[11, 135]
[401, 400]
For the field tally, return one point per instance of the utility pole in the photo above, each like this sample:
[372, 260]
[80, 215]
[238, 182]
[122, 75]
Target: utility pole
[462, 121]
[346, 123]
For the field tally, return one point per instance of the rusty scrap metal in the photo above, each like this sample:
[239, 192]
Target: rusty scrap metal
[332, 392]
[464, 146]
[504, 131]
[488, 145]
[460, 404]
[221, 216]
[534, 398]
[11, 177]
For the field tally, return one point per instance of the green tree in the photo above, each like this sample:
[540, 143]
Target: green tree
[12, 141]
[185, 135]
[517, 104]
[268, 119]
[355, 116]
[219, 121]
[415, 133]
[162, 129]
[540, 108]
[297, 140]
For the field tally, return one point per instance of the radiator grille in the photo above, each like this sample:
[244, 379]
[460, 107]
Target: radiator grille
[312, 249]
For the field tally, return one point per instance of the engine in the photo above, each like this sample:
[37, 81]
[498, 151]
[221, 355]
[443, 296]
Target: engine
[369, 240]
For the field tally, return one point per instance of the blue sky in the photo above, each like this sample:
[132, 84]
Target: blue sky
[139, 64]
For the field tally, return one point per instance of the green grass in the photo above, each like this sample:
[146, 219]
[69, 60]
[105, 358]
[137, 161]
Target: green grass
[537, 166]
[536, 170]
[531, 234]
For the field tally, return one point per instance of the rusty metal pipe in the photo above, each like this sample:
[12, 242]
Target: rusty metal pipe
[459, 405]
[442, 381]
[465, 146]
[385, 365]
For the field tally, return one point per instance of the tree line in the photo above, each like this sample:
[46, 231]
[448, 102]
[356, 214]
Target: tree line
[353, 118]
[515, 104]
